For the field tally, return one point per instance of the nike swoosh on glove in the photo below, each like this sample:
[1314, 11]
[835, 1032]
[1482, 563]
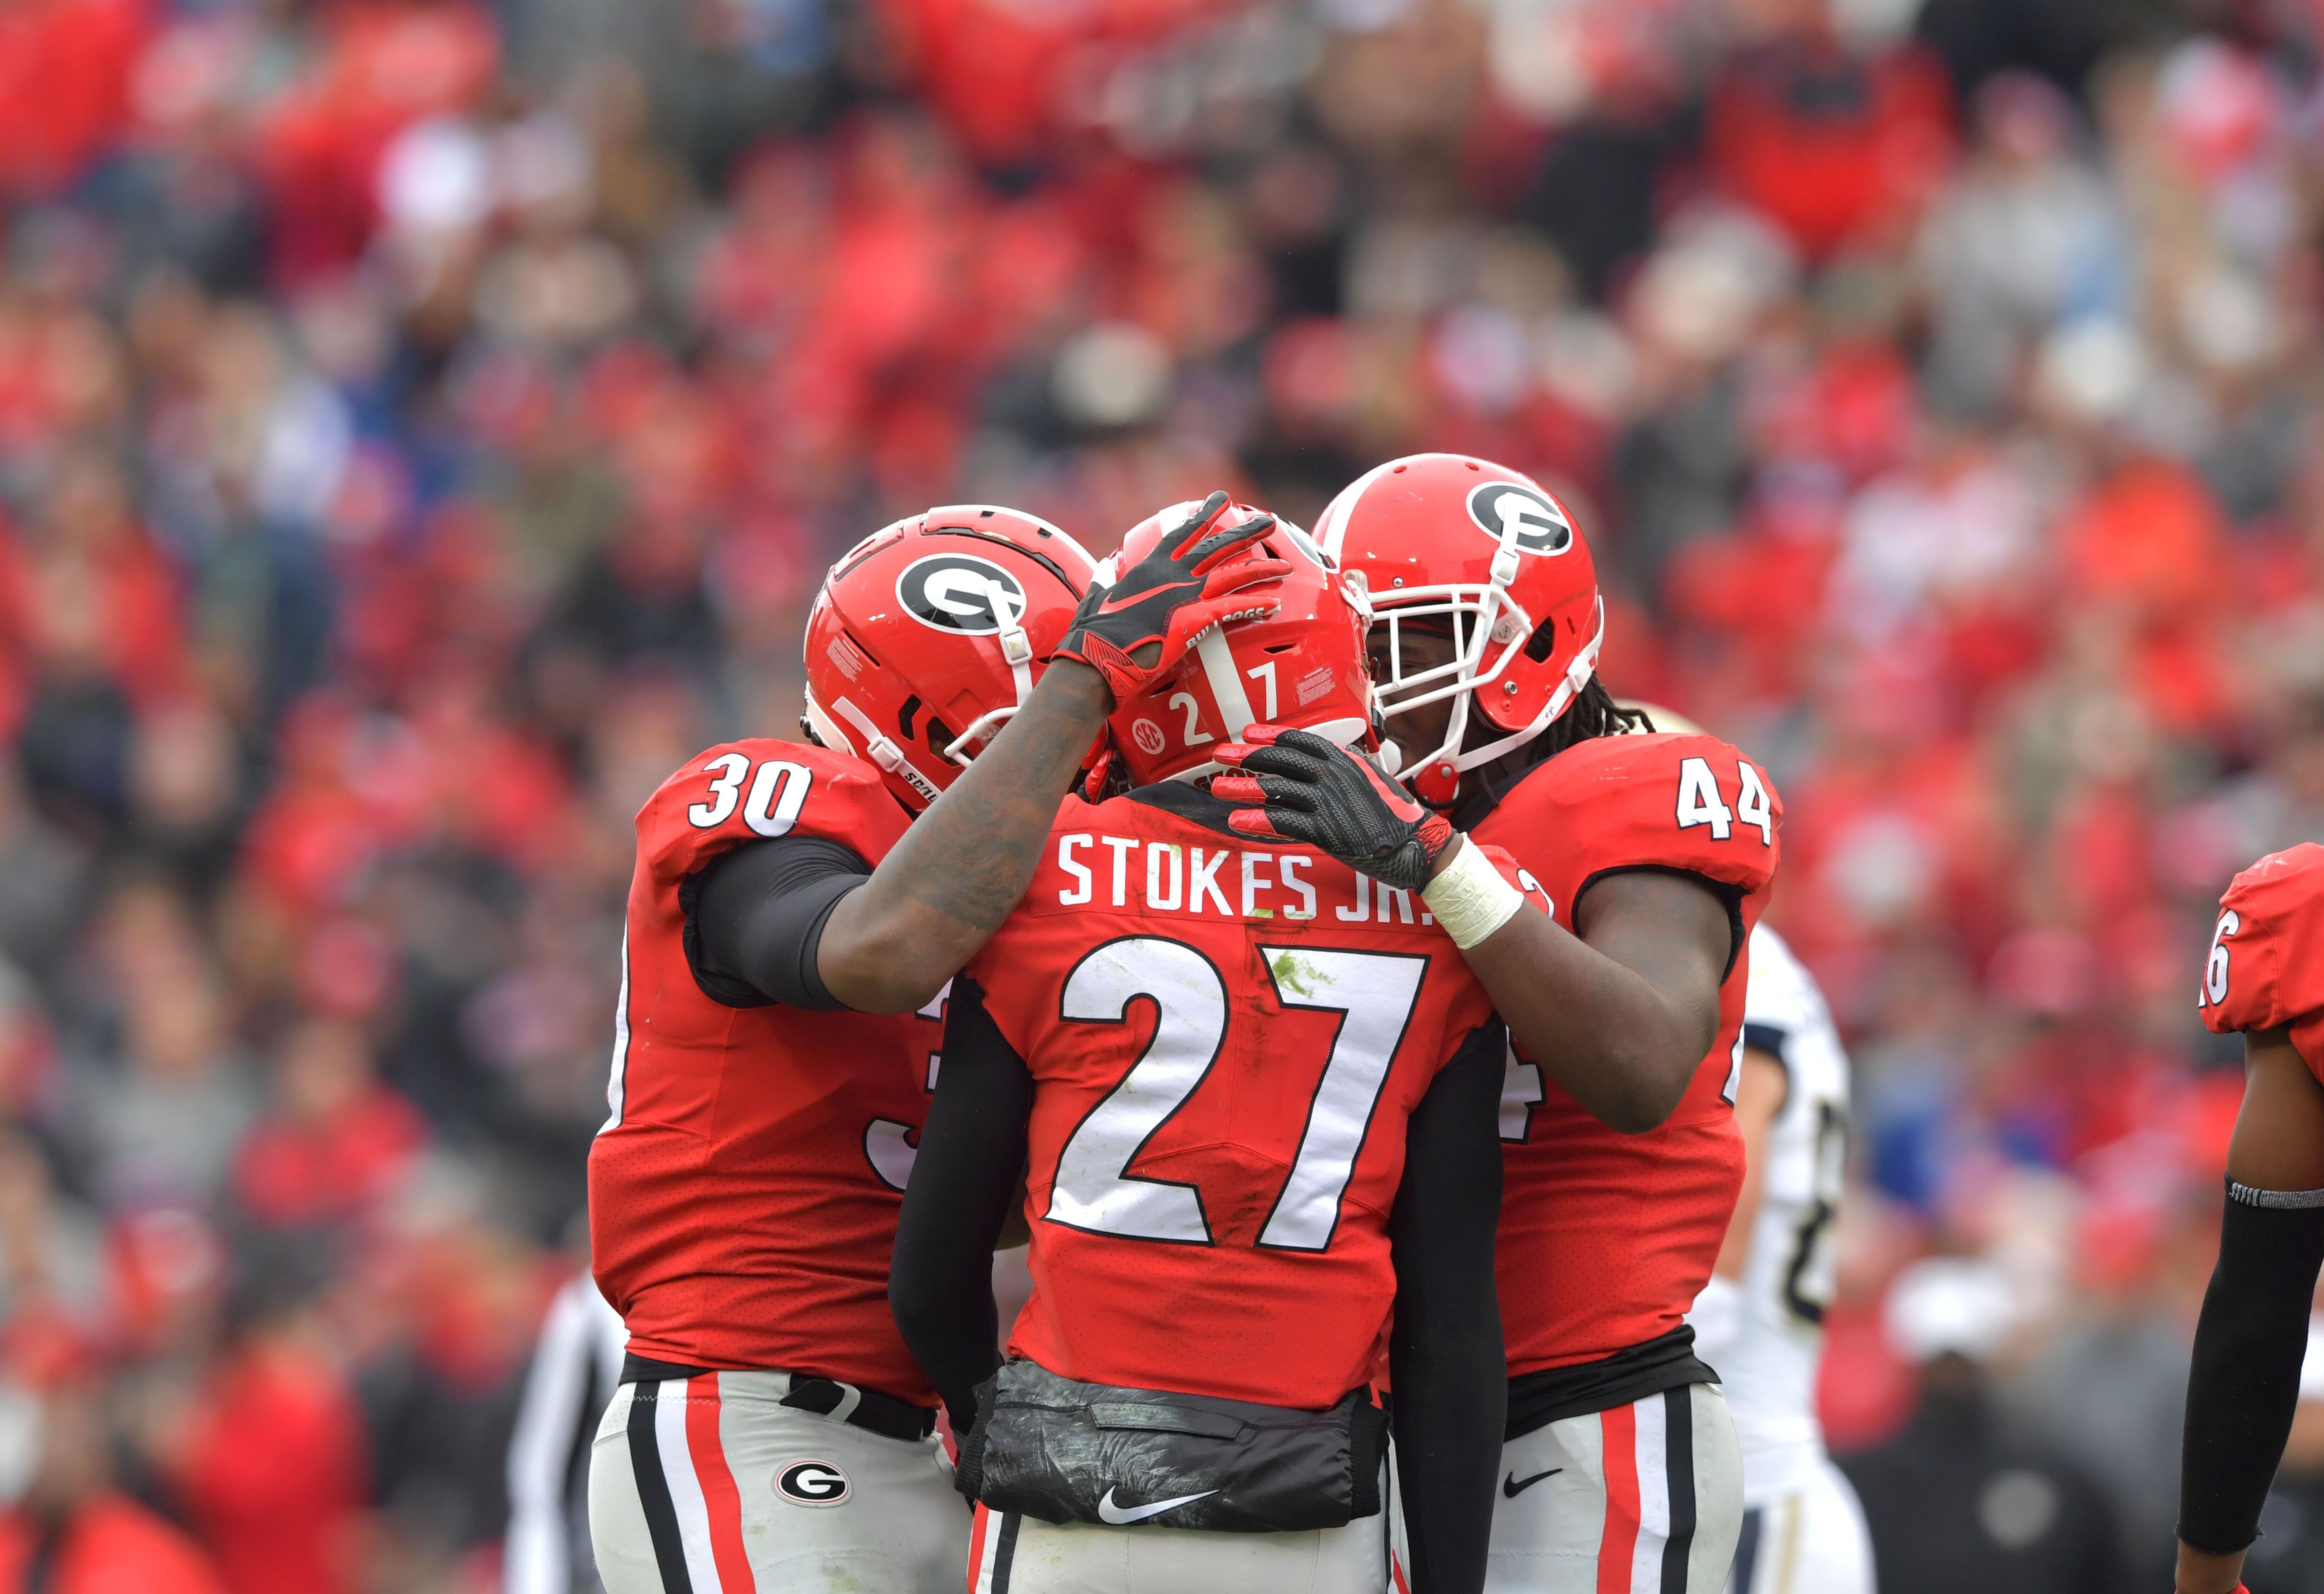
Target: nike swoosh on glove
[1190, 583]
[1334, 800]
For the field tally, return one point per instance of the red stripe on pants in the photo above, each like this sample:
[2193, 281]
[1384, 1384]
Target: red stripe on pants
[719, 1494]
[1619, 1439]
[982, 1518]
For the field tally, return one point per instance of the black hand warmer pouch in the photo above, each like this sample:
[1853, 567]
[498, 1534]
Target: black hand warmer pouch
[1062, 1451]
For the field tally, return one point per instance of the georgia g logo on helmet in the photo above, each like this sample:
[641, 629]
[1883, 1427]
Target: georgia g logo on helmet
[1541, 526]
[961, 592]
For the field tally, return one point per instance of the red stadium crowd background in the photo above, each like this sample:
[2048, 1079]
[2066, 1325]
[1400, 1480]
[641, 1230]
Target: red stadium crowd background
[422, 424]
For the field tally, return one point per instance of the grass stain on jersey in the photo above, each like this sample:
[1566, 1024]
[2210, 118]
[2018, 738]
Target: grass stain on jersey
[1295, 973]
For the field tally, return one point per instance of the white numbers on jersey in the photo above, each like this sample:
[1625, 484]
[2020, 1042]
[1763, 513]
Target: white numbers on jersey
[725, 792]
[1520, 1094]
[887, 1146]
[1377, 991]
[616, 1086]
[1090, 1190]
[778, 793]
[1525, 882]
[1728, 1091]
[1808, 1280]
[1754, 806]
[2215, 967]
[1699, 801]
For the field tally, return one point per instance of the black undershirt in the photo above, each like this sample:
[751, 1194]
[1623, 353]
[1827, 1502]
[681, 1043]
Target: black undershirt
[1445, 1351]
[754, 918]
[1630, 1375]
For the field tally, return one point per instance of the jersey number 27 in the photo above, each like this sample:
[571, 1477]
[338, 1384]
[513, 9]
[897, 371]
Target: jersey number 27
[1376, 991]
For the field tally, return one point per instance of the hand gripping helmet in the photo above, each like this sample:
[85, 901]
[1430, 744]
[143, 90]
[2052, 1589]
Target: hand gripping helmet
[928, 635]
[1482, 553]
[1303, 666]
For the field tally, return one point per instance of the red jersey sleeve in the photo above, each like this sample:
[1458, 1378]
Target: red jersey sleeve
[759, 789]
[2266, 963]
[1631, 801]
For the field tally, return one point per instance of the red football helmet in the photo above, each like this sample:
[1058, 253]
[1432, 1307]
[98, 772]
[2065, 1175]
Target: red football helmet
[929, 633]
[1303, 666]
[1484, 552]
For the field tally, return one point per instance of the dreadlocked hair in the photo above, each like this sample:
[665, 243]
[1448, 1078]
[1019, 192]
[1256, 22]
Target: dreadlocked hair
[1592, 713]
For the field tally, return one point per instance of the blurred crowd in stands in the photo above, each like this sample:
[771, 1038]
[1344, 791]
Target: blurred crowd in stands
[422, 423]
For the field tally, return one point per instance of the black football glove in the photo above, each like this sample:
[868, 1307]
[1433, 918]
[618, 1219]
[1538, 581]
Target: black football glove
[1190, 583]
[1334, 800]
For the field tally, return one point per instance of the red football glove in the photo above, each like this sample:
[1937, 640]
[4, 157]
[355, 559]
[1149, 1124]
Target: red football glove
[1190, 583]
[1334, 800]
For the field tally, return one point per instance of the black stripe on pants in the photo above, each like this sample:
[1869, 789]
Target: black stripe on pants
[1746, 1550]
[1678, 1464]
[1006, 1553]
[653, 1491]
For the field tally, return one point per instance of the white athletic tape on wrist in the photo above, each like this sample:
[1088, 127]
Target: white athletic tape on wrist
[1469, 898]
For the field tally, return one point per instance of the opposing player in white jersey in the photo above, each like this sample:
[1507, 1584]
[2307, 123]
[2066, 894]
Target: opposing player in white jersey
[1760, 1320]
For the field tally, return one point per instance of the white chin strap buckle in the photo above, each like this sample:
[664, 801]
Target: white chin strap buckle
[883, 752]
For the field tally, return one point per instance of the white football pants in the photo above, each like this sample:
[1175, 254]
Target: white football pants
[1647, 1498]
[1014, 1554]
[711, 1485]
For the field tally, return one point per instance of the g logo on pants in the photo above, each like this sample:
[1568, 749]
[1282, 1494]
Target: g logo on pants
[812, 1483]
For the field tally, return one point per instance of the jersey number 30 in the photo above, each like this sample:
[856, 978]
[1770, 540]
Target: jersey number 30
[1376, 991]
[778, 793]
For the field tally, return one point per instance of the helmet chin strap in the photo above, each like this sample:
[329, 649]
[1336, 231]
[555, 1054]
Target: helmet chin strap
[885, 753]
[1016, 653]
[821, 727]
[1015, 647]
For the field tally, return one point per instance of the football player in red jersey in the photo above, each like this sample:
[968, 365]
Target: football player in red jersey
[776, 1037]
[2265, 977]
[1253, 1098]
[1622, 1160]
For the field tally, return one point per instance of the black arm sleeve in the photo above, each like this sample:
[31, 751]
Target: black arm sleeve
[2244, 1379]
[940, 1282]
[1444, 1353]
[754, 918]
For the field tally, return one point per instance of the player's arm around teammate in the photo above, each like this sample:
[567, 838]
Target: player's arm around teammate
[888, 944]
[770, 1430]
[1261, 1126]
[2264, 976]
[1654, 854]
[1619, 1010]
